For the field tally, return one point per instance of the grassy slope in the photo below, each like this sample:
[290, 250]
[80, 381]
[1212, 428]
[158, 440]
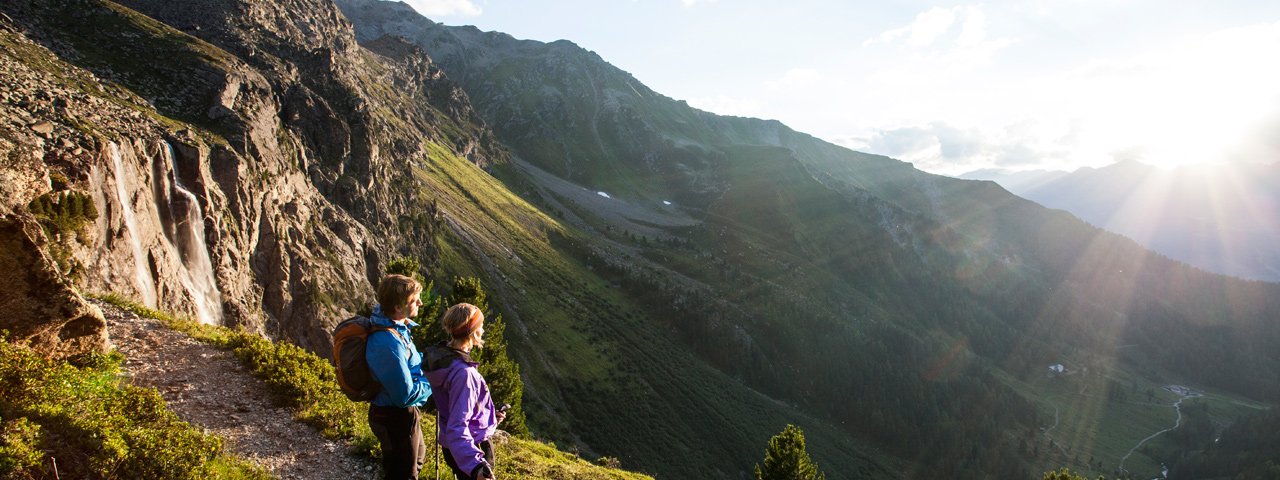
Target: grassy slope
[88, 421]
[593, 357]
[1091, 427]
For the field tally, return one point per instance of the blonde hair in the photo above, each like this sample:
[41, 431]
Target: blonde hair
[461, 322]
[394, 291]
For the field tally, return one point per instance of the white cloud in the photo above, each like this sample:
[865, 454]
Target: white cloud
[947, 149]
[442, 8]
[690, 3]
[926, 28]
[954, 38]
[974, 30]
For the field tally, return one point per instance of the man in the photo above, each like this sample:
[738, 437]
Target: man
[397, 365]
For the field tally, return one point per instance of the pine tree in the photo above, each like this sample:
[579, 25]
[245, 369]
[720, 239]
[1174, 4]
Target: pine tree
[499, 370]
[786, 459]
[1064, 474]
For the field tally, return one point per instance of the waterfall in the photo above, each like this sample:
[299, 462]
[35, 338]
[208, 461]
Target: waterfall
[141, 274]
[197, 276]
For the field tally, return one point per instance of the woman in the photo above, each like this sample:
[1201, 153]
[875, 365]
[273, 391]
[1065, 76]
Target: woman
[466, 416]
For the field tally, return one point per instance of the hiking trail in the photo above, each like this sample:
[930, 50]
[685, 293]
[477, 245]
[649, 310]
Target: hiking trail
[210, 389]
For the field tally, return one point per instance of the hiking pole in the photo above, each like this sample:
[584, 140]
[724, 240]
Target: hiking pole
[437, 445]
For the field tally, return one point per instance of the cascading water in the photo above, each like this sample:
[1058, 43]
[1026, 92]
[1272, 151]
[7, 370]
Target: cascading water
[198, 277]
[141, 274]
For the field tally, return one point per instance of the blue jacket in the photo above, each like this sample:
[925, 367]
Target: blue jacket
[396, 364]
[465, 405]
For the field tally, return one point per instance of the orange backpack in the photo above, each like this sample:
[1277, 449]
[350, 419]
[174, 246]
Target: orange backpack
[349, 340]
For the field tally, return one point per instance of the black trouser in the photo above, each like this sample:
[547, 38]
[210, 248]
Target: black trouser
[457, 472]
[400, 434]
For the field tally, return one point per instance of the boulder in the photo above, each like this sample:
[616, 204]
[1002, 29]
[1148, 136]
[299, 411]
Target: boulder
[40, 308]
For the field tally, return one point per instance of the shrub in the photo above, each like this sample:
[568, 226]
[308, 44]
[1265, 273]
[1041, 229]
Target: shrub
[1064, 474]
[95, 425]
[19, 448]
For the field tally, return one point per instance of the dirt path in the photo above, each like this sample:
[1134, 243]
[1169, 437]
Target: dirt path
[1049, 430]
[1177, 406]
[210, 389]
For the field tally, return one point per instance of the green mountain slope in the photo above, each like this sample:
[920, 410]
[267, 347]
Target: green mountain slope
[888, 302]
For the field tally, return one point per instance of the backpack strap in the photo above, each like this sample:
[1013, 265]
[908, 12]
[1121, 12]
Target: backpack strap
[393, 332]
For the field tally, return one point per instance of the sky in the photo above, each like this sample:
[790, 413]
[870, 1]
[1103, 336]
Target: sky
[950, 87]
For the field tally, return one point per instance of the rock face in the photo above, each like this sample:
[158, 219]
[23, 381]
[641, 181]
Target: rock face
[39, 304]
[239, 173]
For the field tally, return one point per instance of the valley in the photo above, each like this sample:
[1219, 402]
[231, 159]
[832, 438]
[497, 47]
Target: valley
[1118, 422]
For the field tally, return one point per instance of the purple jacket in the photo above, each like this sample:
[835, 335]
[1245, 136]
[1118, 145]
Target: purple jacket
[467, 416]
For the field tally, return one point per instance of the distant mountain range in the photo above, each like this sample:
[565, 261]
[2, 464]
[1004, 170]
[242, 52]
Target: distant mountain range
[1222, 218]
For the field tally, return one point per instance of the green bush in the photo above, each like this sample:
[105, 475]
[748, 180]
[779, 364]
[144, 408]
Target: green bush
[1064, 474]
[19, 448]
[307, 383]
[94, 425]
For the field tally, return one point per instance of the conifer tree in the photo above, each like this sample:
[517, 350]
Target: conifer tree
[1064, 474]
[499, 370]
[786, 458]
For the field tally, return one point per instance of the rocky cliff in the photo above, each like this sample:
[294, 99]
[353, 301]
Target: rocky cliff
[249, 163]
